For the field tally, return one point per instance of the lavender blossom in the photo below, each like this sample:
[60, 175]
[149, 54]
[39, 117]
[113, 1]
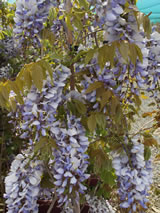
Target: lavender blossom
[22, 185]
[37, 116]
[29, 18]
[70, 160]
[134, 177]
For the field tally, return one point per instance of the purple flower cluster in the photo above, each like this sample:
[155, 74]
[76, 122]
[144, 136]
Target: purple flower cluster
[36, 116]
[153, 68]
[134, 177]
[29, 18]
[70, 160]
[22, 185]
[125, 79]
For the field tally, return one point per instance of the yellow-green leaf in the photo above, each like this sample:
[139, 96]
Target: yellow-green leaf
[27, 78]
[91, 122]
[103, 56]
[105, 98]
[94, 86]
[37, 76]
[77, 23]
[139, 53]
[81, 108]
[90, 55]
[124, 50]
[133, 53]
[101, 120]
[84, 3]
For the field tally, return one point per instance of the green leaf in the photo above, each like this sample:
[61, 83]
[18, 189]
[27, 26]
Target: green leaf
[94, 86]
[77, 23]
[91, 122]
[133, 53]
[139, 53]
[108, 177]
[90, 55]
[147, 26]
[27, 78]
[105, 98]
[103, 55]
[147, 153]
[52, 143]
[84, 3]
[47, 67]
[104, 191]
[68, 22]
[5, 92]
[101, 120]
[112, 53]
[81, 108]
[37, 76]
[20, 84]
[45, 182]
[2, 101]
[114, 104]
[71, 107]
[124, 50]
[119, 113]
[40, 144]
[47, 34]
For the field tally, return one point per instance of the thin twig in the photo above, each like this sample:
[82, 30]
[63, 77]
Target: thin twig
[55, 196]
[76, 206]
[52, 204]
[92, 33]
[95, 37]
[143, 129]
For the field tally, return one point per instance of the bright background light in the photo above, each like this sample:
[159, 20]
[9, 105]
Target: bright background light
[147, 6]
[11, 1]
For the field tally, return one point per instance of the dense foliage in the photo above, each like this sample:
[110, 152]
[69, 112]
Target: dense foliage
[86, 64]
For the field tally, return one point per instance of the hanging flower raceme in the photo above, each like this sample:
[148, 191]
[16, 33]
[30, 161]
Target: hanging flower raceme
[36, 116]
[70, 160]
[124, 79]
[29, 18]
[153, 68]
[134, 177]
[22, 185]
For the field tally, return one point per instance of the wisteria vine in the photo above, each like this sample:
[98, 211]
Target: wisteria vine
[40, 117]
